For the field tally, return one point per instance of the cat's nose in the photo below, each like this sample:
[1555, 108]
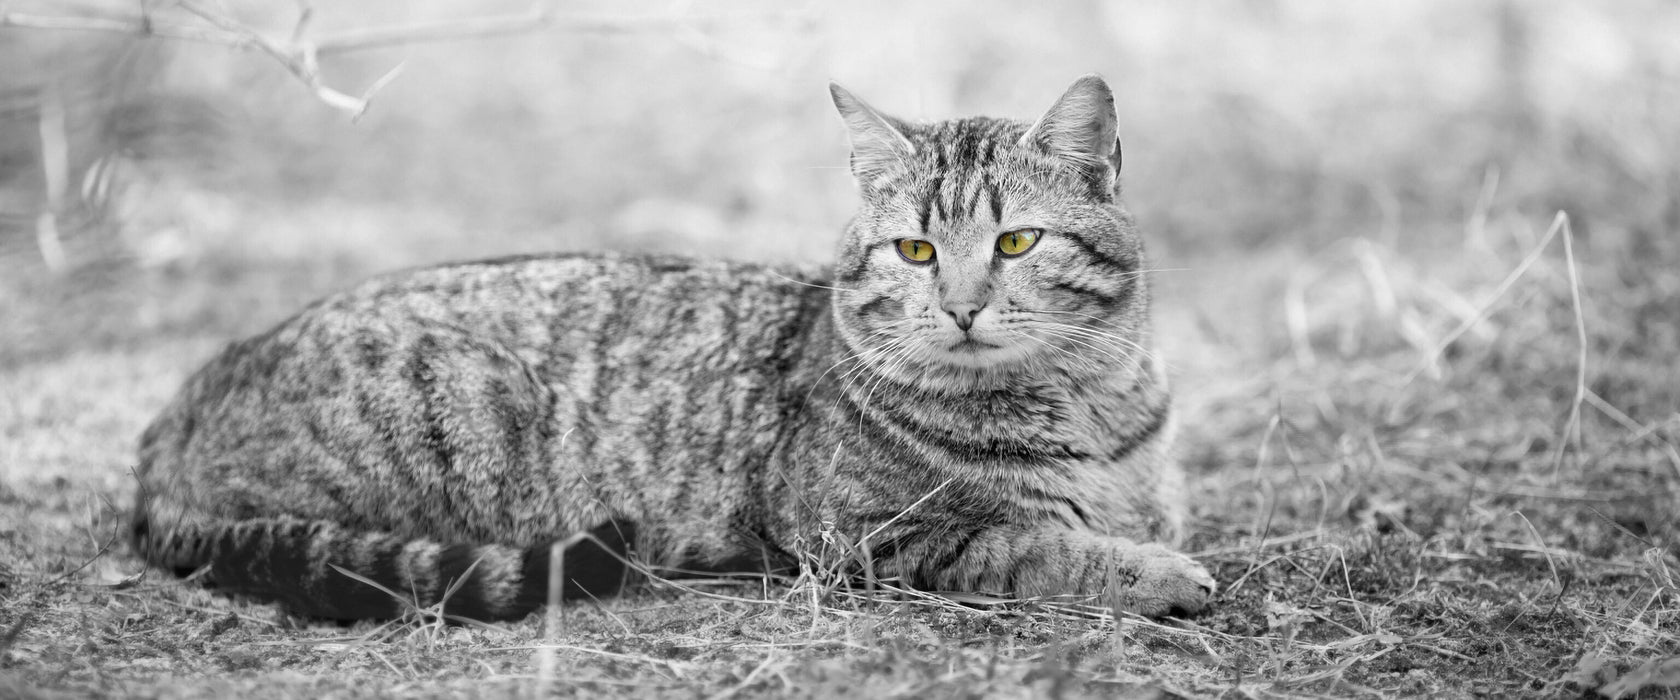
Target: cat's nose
[962, 312]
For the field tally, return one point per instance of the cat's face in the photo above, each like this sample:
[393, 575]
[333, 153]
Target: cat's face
[987, 245]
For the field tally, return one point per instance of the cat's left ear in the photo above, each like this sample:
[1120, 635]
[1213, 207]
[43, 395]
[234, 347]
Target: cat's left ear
[1080, 132]
[878, 141]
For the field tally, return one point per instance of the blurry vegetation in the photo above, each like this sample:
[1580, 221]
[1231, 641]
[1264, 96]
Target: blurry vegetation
[1430, 455]
[1251, 124]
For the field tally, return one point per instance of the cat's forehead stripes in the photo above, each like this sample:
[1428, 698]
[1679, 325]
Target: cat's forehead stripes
[967, 156]
[955, 174]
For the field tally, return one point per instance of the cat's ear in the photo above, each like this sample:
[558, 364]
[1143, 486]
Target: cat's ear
[1080, 131]
[878, 141]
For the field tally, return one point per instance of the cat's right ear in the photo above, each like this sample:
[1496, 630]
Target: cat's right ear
[1079, 132]
[878, 141]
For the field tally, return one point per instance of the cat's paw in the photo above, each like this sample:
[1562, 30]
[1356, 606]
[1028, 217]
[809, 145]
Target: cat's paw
[1155, 581]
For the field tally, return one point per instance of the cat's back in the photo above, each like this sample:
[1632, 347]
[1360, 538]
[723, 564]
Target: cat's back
[552, 310]
[525, 301]
[461, 383]
[608, 332]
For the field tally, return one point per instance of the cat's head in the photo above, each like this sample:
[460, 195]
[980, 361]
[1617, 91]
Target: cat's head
[985, 246]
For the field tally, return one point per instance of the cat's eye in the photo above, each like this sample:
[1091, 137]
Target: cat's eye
[1018, 242]
[915, 250]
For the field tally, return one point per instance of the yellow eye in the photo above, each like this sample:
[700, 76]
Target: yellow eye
[915, 250]
[1017, 242]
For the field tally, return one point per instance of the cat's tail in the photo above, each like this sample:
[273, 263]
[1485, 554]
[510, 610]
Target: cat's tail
[302, 565]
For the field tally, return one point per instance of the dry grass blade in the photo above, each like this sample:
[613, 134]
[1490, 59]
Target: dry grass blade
[1637, 432]
[1540, 546]
[900, 515]
[554, 616]
[1428, 362]
[1571, 433]
[752, 677]
[409, 605]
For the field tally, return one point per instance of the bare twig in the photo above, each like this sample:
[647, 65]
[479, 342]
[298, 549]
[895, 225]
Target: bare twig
[536, 20]
[299, 54]
[297, 58]
[141, 25]
[540, 16]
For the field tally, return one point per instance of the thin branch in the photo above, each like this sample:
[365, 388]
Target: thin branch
[299, 54]
[538, 17]
[299, 58]
[140, 25]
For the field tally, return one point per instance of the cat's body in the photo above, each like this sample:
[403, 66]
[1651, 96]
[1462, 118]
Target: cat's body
[983, 422]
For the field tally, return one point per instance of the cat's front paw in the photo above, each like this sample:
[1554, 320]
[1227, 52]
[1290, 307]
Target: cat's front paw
[1155, 581]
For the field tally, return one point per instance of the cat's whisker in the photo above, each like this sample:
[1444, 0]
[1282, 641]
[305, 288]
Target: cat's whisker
[874, 371]
[774, 273]
[901, 356]
[872, 355]
[1126, 347]
[1093, 317]
[1094, 331]
[1085, 361]
[864, 341]
[1151, 271]
[1122, 341]
[842, 376]
[863, 358]
[1095, 339]
[876, 362]
[1110, 353]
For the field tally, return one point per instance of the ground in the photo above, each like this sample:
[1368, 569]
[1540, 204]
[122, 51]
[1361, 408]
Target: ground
[1431, 470]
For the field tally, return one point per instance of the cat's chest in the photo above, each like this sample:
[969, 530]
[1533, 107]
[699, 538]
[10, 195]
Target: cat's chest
[1020, 428]
[1082, 417]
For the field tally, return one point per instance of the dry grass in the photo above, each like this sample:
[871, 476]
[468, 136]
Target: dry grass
[1409, 490]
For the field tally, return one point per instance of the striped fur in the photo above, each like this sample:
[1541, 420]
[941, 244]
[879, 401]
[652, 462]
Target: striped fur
[298, 563]
[711, 416]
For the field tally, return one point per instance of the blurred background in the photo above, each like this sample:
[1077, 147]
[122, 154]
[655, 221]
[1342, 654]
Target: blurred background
[706, 127]
[1301, 166]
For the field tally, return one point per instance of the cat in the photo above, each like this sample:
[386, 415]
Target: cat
[967, 401]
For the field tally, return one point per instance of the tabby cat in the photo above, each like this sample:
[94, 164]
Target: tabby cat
[967, 401]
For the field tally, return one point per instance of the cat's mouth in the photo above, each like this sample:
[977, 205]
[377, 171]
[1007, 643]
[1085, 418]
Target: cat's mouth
[974, 354]
[970, 345]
